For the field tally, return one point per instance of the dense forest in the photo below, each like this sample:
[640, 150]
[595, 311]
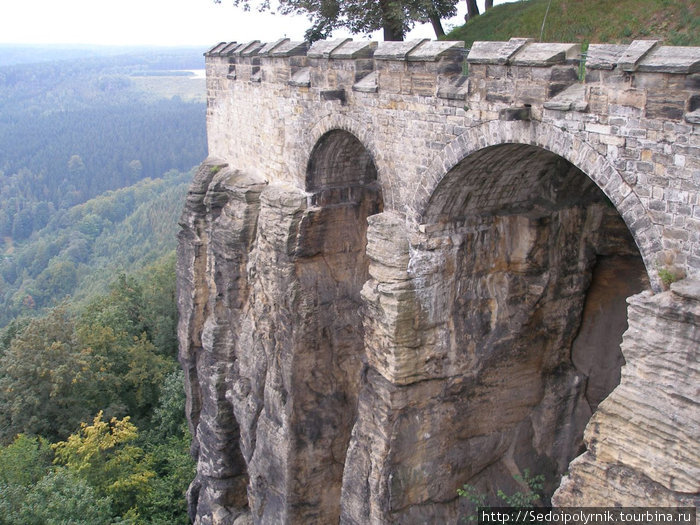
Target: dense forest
[96, 152]
[92, 409]
[71, 130]
[119, 230]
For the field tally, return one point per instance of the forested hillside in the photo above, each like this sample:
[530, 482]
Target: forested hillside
[72, 134]
[121, 230]
[95, 160]
[92, 426]
[71, 130]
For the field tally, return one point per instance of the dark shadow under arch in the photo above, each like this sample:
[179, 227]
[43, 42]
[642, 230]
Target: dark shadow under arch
[539, 264]
[340, 168]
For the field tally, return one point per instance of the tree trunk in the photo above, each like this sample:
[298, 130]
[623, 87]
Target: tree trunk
[437, 26]
[488, 4]
[390, 33]
[472, 10]
[393, 27]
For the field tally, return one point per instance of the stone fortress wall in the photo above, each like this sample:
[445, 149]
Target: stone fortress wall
[401, 271]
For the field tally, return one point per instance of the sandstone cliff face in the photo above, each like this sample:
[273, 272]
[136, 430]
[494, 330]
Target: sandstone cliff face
[406, 279]
[643, 440]
[272, 344]
[341, 369]
[218, 227]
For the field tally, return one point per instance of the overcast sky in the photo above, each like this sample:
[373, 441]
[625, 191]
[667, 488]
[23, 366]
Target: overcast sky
[153, 22]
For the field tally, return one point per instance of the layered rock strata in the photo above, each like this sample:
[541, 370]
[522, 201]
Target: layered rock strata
[400, 279]
[644, 439]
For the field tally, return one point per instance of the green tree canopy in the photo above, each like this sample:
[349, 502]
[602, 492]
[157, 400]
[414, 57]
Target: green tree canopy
[394, 17]
[103, 455]
[46, 381]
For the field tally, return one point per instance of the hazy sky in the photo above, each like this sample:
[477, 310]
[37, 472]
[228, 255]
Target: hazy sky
[152, 22]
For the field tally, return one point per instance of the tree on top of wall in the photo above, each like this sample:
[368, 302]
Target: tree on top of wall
[396, 18]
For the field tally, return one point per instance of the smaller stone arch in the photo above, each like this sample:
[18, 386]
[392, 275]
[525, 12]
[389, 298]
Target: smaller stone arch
[363, 134]
[563, 144]
[328, 269]
[338, 163]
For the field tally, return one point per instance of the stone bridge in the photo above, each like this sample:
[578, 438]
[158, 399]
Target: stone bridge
[401, 271]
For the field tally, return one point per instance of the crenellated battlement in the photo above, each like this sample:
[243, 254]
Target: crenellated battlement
[517, 72]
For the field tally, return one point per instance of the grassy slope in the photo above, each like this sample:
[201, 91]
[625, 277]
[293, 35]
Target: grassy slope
[675, 22]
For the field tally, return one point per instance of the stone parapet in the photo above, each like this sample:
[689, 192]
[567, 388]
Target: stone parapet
[517, 72]
[342, 64]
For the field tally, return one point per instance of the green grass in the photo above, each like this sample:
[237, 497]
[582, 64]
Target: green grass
[674, 22]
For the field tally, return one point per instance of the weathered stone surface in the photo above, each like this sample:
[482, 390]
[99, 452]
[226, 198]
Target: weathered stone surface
[545, 54]
[693, 117]
[604, 56]
[271, 46]
[425, 295]
[221, 212]
[456, 89]
[290, 49]
[353, 50]
[214, 50]
[247, 49]
[573, 97]
[510, 114]
[435, 50]
[301, 78]
[368, 84]
[636, 51]
[667, 59]
[644, 437]
[396, 50]
[496, 52]
[324, 48]
[594, 352]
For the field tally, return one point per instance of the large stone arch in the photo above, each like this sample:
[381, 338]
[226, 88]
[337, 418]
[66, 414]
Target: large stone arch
[563, 144]
[503, 267]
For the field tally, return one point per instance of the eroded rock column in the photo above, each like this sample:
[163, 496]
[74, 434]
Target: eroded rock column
[298, 380]
[643, 442]
[218, 228]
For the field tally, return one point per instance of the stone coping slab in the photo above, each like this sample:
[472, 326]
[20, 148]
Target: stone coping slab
[604, 56]
[667, 59]
[545, 54]
[496, 52]
[252, 49]
[634, 53]
[290, 48]
[271, 46]
[215, 50]
[640, 55]
[324, 48]
[360, 49]
[397, 50]
[236, 50]
[434, 50]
